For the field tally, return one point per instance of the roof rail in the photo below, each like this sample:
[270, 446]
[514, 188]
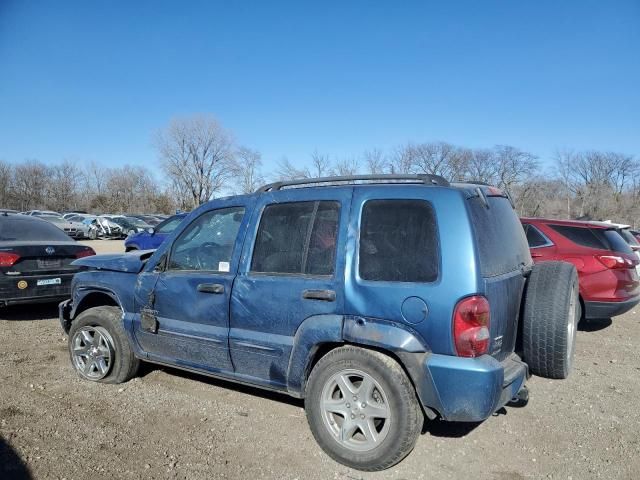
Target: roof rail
[426, 179]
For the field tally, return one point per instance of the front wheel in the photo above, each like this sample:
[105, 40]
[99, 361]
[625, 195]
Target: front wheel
[362, 408]
[99, 347]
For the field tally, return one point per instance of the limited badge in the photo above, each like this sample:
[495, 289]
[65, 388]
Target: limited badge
[22, 285]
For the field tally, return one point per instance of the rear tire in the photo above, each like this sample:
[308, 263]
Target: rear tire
[550, 319]
[99, 347]
[376, 423]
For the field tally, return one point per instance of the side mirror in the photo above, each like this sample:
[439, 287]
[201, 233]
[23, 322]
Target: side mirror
[150, 231]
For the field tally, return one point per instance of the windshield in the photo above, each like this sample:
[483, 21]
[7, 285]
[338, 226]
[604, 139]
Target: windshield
[169, 225]
[14, 228]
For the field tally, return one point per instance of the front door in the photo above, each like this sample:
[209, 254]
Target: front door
[291, 272]
[183, 304]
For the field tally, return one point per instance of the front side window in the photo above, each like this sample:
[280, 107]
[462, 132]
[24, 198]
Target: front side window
[398, 241]
[297, 238]
[207, 243]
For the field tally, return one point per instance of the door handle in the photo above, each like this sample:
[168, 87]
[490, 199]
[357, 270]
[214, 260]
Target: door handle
[324, 295]
[536, 255]
[211, 288]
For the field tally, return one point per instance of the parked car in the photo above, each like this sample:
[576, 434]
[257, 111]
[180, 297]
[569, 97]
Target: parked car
[74, 230]
[636, 234]
[376, 302]
[35, 260]
[150, 219]
[607, 267]
[101, 227]
[154, 236]
[130, 225]
[8, 211]
[37, 213]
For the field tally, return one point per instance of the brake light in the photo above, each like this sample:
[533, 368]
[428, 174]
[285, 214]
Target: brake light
[87, 252]
[615, 261]
[471, 321]
[7, 259]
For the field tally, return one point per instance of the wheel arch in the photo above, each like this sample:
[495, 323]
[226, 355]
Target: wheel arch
[317, 336]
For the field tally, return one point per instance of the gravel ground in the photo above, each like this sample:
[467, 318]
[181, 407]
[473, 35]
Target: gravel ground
[169, 424]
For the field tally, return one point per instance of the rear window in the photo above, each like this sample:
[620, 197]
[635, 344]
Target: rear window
[502, 245]
[399, 241]
[30, 229]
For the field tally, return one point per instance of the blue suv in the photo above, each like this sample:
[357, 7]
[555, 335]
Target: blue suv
[153, 237]
[381, 301]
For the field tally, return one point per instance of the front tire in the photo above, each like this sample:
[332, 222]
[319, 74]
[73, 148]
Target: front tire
[99, 348]
[362, 408]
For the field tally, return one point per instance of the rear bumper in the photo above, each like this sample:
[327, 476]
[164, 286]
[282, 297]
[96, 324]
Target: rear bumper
[608, 309]
[472, 389]
[11, 292]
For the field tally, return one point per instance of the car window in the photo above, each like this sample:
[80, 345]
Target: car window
[583, 236]
[534, 237]
[398, 241]
[169, 225]
[17, 228]
[629, 238]
[297, 238]
[615, 241]
[207, 243]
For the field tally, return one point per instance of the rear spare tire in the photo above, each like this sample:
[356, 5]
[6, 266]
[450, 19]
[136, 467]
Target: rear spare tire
[550, 318]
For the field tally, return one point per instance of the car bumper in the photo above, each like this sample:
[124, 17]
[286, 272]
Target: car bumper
[471, 389]
[12, 294]
[608, 309]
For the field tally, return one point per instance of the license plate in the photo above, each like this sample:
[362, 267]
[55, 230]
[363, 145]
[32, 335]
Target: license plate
[53, 263]
[49, 281]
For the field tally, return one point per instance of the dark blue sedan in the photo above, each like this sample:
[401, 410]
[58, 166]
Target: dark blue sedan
[153, 237]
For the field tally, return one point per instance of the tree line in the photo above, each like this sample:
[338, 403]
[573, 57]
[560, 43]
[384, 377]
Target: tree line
[200, 160]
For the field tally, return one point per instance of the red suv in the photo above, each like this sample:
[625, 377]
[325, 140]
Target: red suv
[607, 267]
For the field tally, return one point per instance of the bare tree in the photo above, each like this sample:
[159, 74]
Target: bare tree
[346, 166]
[287, 171]
[247, 174]
[6, 179]
[376, 161]
[30, 181]
[196, 153]
[514, 166]
[321, 164]
[63, 186]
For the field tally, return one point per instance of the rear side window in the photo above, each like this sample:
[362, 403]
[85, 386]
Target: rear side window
[534, 237]
[399, 241]
[297, 238]
[616, 242]
[583, 236]
[502, 245]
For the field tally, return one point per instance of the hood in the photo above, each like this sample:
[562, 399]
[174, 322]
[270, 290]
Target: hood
[116, 262]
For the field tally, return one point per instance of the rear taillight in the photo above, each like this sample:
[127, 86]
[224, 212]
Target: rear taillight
[615, 261]
[471, 321]
[7, 259]
[87, 252]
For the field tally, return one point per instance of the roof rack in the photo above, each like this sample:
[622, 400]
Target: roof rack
[426, 179]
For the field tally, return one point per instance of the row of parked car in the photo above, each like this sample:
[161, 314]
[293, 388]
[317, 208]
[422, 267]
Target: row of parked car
[80, 225]
[383, 301]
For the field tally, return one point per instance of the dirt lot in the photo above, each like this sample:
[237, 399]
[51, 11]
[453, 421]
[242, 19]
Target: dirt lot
[168, 424]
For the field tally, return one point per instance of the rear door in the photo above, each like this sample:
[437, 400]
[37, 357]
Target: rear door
[291, 270]
[504, 259]
[541, 247]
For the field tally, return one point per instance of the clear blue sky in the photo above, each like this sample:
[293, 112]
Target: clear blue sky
[92, 80]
